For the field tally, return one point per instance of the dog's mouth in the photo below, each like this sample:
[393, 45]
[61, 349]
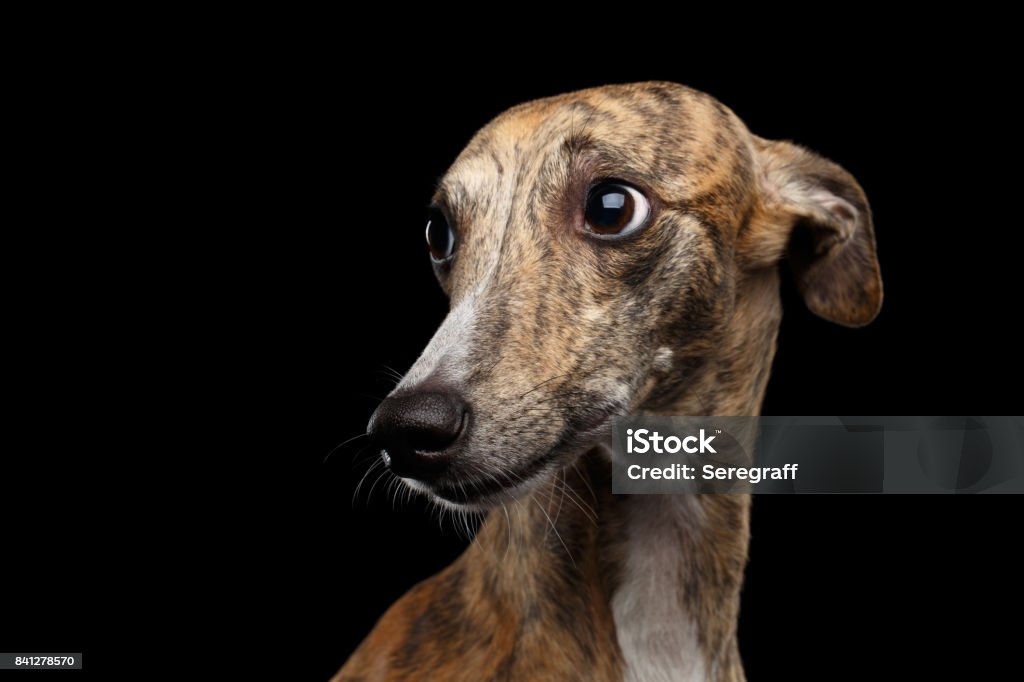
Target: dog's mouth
[476, 494]
[476, 486]
[491, 489]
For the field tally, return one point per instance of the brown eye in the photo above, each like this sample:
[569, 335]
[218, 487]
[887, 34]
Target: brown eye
[615, 210]
[440, 236]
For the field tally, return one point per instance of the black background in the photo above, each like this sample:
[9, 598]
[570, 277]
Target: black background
[297, 271]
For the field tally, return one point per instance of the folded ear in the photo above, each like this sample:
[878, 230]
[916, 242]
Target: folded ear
[816, 216]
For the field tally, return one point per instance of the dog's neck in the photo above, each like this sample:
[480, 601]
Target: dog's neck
[677, 600]
[653, 579]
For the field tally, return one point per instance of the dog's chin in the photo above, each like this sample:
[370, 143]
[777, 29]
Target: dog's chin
[475, 494]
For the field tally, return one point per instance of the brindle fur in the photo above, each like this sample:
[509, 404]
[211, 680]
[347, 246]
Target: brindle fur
[552, 332]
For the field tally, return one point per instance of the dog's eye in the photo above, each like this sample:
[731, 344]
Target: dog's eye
[615, 210]
[440, 236]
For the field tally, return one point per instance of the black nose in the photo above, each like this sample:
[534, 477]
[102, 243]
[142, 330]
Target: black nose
[417, 431]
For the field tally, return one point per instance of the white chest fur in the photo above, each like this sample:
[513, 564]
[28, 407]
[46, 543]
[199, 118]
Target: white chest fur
[658, 638]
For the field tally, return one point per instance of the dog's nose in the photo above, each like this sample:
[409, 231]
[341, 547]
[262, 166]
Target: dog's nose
[417, 432]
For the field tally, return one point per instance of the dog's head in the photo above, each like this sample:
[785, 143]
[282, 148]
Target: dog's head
[595, 248]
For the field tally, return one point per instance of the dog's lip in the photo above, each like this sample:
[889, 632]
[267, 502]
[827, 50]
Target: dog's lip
[459, 495]
[481, 490]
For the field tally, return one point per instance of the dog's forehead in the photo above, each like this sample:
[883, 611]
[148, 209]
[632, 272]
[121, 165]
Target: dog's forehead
[664, 130]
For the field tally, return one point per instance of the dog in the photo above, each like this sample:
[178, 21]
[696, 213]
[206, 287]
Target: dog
[606, 252]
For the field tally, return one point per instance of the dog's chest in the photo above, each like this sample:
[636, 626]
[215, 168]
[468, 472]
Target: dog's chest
[656, 635]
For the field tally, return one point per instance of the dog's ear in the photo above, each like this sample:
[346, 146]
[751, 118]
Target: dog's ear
[815, 215]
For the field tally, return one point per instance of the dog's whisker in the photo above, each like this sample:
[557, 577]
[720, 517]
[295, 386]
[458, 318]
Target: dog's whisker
[557, 534]
[369, 493]
[544, 383]
[573, 496]
[508, 524]
[342, 444]
[355, 493]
